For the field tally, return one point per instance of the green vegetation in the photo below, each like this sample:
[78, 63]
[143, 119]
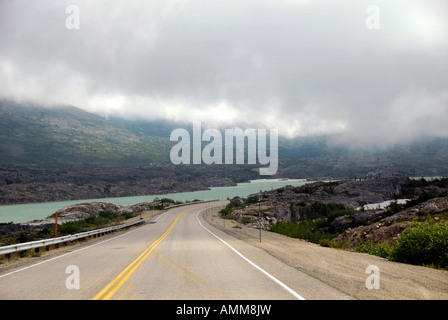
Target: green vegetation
[423, 243]
[424, 196]
[103, 219]
[71, 136]
[304, 230]
[421, 183]
[315, 220]
[165, 202]
[317, 210]
[382, 249]
[235, 204]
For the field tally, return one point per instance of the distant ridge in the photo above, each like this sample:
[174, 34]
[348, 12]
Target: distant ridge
[67, 136]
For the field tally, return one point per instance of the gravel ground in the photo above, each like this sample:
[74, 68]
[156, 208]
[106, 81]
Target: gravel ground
[343, 270]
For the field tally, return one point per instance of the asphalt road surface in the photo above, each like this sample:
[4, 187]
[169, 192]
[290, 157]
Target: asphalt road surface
[175, 255]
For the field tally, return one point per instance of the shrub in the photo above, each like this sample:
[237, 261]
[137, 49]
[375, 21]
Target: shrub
[302, 230]
[325, 242]
[252, 200]
[70, 227]
[107, 214]
[382, 249]
[227, 211]
[323, 210]
[423, 243]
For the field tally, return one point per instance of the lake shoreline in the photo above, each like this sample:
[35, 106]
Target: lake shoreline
[23, 212]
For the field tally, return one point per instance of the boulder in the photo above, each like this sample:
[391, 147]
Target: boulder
[85, 210]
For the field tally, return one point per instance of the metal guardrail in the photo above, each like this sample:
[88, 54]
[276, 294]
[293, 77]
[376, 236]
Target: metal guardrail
[189, 203]
[48, 242]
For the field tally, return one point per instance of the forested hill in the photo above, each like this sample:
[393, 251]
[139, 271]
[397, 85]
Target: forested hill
[67, 136]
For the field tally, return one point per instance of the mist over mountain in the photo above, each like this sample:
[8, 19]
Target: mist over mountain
[70, 137]
[309, 68]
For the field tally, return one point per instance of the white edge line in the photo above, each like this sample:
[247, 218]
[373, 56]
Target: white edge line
[284, 286]
[68, 253]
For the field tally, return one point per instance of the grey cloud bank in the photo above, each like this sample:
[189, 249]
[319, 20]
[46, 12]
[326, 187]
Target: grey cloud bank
[257, 147]
[305, 67]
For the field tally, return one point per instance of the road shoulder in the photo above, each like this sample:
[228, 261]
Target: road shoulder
[345, 271]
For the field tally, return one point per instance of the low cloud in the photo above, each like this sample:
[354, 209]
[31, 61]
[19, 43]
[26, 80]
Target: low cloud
[304, 67]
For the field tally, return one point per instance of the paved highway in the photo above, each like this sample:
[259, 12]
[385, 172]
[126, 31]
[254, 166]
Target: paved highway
[176, 255]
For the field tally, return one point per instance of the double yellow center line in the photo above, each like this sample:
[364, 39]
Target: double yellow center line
[108, 291]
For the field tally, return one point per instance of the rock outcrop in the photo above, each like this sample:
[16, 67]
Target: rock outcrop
[26, 231]
[380, 224]
[388, 229]
[89, 209]
[282, 203]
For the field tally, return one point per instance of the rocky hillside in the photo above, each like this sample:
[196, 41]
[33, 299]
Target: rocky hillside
[388, 229]
[284, 203]
[30, 185]
[340, 207]
[68, 136]
[89, 209]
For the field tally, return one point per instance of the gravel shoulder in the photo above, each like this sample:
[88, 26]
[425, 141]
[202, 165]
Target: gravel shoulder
[343, 270]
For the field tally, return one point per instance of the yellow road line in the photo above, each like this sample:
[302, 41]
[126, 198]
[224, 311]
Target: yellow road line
[187, 274]
[108, 291]
[126, 291]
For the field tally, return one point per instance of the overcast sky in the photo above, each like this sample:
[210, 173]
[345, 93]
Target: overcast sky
[368, 75]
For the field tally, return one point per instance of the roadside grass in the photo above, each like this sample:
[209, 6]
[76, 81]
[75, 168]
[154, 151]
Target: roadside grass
[315, 220]
[311, 219]
[423, 243]
[103, 219]
[304, 230]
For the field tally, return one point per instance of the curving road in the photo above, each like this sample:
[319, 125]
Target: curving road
[176, 255]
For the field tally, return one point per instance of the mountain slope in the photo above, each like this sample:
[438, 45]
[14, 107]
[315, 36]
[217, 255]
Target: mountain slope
[71, 136]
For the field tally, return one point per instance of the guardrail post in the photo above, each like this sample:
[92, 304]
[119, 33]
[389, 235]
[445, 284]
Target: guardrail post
[56, 243]
[56, 224]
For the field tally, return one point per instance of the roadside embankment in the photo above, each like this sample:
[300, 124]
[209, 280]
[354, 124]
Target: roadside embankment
[344, 270]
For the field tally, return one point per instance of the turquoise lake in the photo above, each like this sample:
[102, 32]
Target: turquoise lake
[27, 212]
